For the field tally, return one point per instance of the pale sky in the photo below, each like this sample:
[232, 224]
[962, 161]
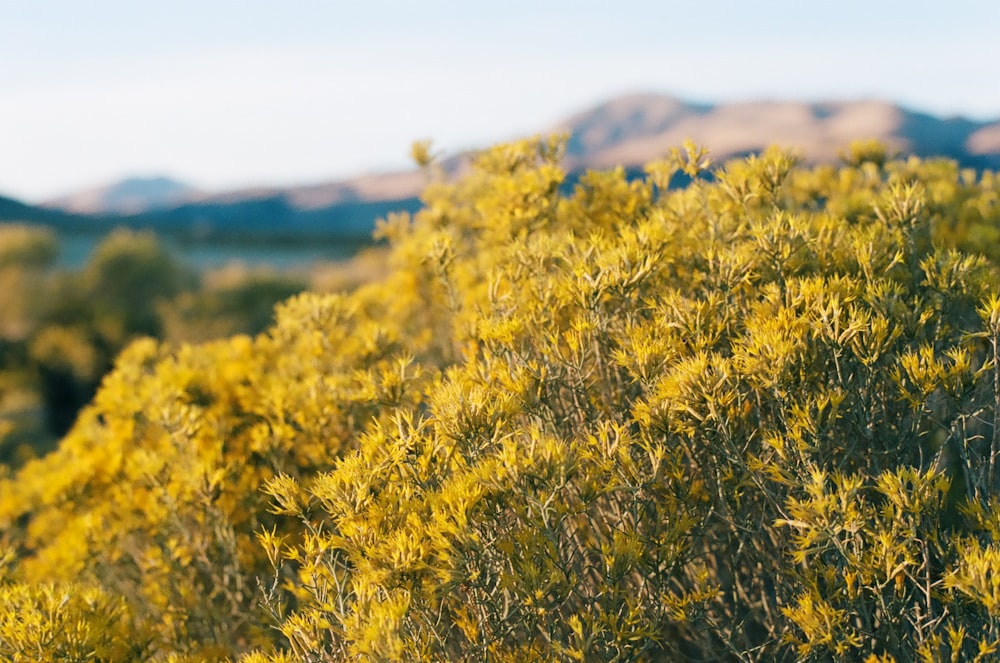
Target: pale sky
[226, 93]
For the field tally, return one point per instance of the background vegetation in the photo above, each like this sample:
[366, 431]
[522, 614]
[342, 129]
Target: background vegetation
[754, 418]
[60, 329]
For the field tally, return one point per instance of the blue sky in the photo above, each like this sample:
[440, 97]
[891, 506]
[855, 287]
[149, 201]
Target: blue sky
[225, 93]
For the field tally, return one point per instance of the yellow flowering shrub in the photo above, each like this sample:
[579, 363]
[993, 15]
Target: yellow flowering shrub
[60, 329]
[756, 417]
[65, 622]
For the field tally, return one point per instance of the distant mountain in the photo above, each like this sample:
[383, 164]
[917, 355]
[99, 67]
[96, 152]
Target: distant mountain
[633, 130]
[363, 188]
[15, 210]
[627, 131]
[129, 196]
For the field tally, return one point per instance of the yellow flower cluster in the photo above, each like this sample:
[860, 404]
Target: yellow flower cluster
[755, 417]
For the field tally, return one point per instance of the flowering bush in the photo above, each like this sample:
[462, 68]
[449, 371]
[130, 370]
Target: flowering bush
[756, 417]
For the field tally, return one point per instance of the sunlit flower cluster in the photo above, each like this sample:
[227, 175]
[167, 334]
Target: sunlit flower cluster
[597, 419]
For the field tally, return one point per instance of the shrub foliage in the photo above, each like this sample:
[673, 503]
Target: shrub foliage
[753, 418]
[60, 330]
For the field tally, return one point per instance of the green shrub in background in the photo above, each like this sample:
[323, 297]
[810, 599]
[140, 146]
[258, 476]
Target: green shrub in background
[756, 418]
[60, 331]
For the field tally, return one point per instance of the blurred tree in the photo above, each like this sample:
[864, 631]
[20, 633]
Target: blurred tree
[234, 301]
[94, 314]
[27, 254]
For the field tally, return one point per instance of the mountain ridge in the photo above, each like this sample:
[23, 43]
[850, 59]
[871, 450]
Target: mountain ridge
[817, 130]
[629, 131]
[132, 195]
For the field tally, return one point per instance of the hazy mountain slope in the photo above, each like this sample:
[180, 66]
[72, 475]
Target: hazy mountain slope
[628, 131]
[15, 210]
[625, 120]
[129, 196]
[381, 186]
[985, 141]
[633, 130]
